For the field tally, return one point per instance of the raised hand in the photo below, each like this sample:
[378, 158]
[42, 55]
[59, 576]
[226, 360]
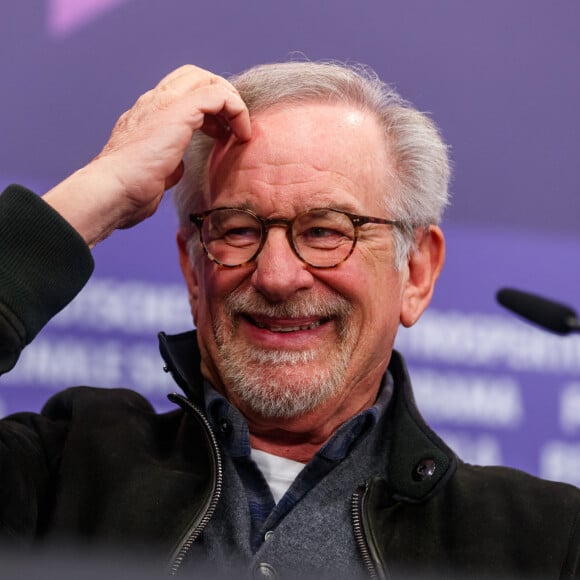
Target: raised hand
[125, 183]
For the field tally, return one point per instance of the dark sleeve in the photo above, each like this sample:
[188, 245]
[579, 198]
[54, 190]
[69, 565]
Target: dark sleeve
[30, 452]
[44, 263]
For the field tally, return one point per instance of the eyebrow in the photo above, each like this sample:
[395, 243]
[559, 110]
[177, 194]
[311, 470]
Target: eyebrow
[324, 203]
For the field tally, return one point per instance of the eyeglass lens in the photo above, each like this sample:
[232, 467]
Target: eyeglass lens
[322, 237]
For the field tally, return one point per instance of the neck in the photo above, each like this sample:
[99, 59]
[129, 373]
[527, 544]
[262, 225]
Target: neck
[300, 438]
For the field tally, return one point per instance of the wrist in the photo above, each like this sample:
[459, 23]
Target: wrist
[87, 200]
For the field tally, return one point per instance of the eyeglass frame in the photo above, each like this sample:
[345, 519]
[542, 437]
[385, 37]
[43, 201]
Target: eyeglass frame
[266, 223]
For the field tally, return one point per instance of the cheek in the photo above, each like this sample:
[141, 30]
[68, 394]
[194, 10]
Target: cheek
[374, 289]
[370, 283]
[385, 283]
[199, 297]
[216, 284]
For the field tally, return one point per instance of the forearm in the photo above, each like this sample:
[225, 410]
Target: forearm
[44, 263]
[124, 183]
[45, 244]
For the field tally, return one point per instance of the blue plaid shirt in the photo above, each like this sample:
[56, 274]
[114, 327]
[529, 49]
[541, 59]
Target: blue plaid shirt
[232, 431]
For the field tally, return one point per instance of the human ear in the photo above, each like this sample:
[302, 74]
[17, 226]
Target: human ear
[423, 267]
[189, 274]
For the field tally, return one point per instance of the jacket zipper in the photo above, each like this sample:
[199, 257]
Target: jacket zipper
[358, 498]
[198, 525]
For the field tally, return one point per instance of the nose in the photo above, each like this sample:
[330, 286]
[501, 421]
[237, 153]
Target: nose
[279, 272]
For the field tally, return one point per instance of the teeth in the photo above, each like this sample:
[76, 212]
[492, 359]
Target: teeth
[290, 328]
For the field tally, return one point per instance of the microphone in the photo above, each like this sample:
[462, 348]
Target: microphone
[548, 314]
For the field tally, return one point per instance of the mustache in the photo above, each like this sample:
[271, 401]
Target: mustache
[248, 301]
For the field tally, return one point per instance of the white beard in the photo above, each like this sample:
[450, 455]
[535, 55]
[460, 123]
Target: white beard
[283, 384]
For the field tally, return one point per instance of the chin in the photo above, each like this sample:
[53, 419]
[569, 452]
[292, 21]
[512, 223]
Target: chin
[284, 389]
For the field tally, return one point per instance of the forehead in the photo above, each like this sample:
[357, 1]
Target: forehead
[304, 154]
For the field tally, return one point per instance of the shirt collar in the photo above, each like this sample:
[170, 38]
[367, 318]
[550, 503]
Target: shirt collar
[231, 427]
[352, 431]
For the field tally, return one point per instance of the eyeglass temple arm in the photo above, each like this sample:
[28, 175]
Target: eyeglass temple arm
[362, 220]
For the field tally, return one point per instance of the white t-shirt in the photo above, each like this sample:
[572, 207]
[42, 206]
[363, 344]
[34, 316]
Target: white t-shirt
[279, 472]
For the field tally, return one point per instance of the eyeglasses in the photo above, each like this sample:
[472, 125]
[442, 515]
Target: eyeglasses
[322, 238]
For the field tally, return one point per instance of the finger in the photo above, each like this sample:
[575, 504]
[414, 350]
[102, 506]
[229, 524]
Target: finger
[190, 83]
[189, 78]
[232, 114]
[239, 122]
[215, 127]
[189, 71]
[218, 101]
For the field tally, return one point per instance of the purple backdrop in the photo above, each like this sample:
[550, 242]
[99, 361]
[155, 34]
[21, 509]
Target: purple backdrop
[500, 78]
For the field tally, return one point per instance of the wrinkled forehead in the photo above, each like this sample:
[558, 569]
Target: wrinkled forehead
[304, 142]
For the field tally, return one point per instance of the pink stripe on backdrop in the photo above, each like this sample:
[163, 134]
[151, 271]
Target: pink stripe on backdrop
[65, 16]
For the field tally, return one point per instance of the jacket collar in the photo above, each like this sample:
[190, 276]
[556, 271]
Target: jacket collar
[420, 463]
[183, 360]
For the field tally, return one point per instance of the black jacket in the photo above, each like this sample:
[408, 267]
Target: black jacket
[100, 466]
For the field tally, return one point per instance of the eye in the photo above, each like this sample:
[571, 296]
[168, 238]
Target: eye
[322, 238]
[323, 229]
[321, 234]
[233, 228]
[241, 236]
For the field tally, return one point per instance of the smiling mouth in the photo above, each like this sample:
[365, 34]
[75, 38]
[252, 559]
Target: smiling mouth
[287, 327]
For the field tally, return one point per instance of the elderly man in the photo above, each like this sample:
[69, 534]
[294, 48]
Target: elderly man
[308, 197]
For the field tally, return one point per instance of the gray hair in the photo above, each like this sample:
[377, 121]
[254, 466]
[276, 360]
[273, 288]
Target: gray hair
[418, 153]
